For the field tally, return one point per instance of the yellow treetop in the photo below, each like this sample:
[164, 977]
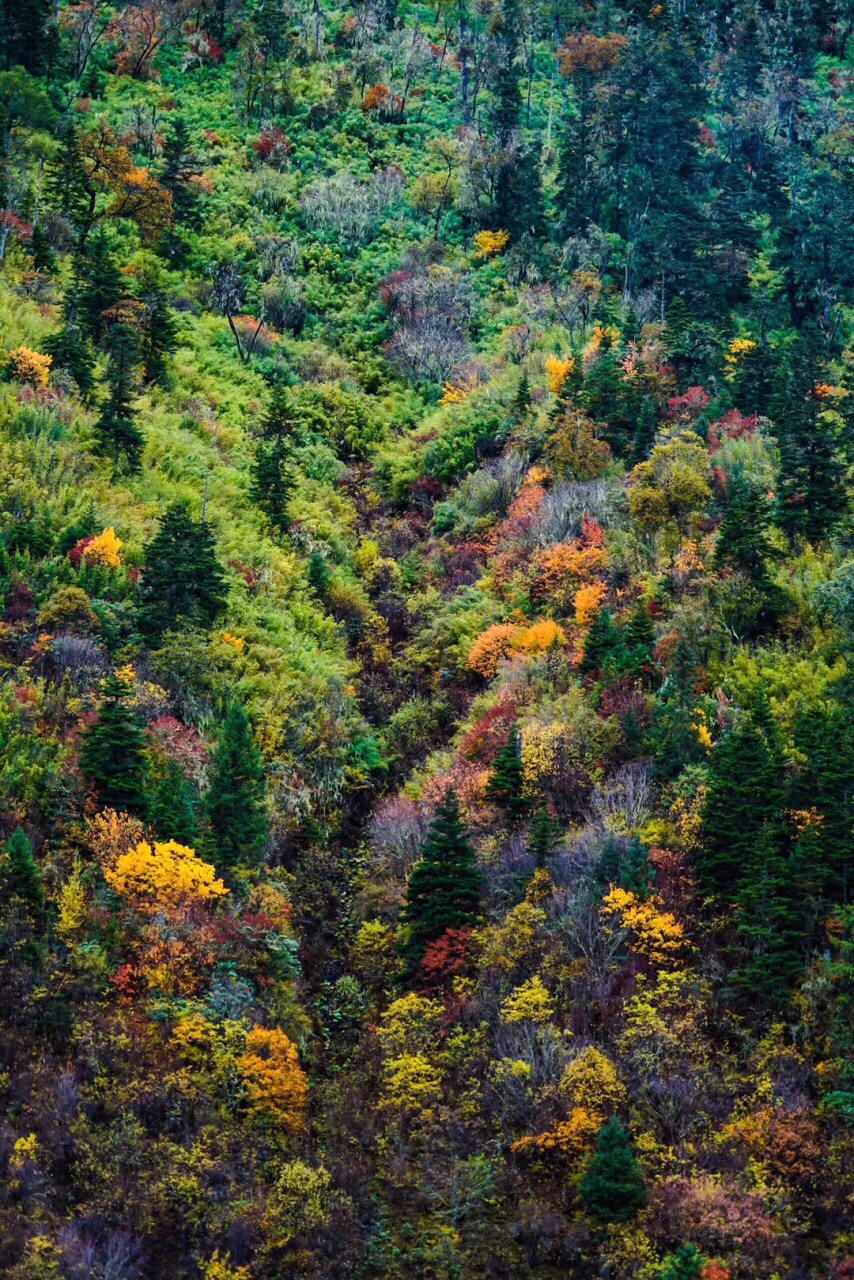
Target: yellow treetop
[530, 1002]
[30, 366]
[490, 647]
[275, 1083]
[657, 934]
[104, 550]
[588, 601]
[168, 875]
[540, 637]
[489, 243]
[557, 372]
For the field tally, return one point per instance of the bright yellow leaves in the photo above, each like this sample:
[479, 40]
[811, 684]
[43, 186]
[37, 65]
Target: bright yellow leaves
[490, 243]
[594, 1091]
[530, 1002]
[588, 602]
[30, 366]
[462, 390]
[167, 875]
[738, 349]
[557, 372]
[275, 1083]
[237, 643]
[104, 550]
[110, 834]
[569, 561]
[655, 934]
[407, 1031]
[412, 1086]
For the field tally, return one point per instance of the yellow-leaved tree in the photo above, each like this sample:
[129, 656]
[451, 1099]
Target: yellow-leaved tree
[276, 1085]
[165, 875]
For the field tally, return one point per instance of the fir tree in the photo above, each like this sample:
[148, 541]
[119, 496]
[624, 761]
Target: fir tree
[522, 399]
[44, 258]
[742, 537]
[118, 436]
[19, 875]
[686, 1264]
[183, 582]
[70, 348]
[66, 187]
[113, 751]
[769, 919]
[612, 1188]
[158, 332]
[171, 811]
[234, 804]
[635, 872]
[273, 480]
[505, 784]
[179, 167]
[543, 835]
[101, 286]
[744, 797]
[444, 886]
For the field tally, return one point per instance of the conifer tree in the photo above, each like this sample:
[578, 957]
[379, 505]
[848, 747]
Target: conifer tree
[70, 348]
[612, 1188]
[113, 751]
[770, 919]
[157, 332]
[234, 804]
[118, 436]
[543, 835]
[183, 582]
[101, 286]
[744, 797]
[635, 871]
[170, 809]
[522, 399]
[445, 884]
[685, 1264]
[742, 536]
[19, 875]
[506, 781]
[273, 480]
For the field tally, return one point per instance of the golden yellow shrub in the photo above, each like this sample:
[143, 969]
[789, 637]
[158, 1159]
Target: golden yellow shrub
[104, 550]
[275, 1083]
[167, 875]
[30, 366]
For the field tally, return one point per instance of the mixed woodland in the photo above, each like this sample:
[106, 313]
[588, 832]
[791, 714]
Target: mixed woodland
[426, 640]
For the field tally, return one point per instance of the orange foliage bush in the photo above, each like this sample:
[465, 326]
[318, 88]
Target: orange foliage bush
[490, 647]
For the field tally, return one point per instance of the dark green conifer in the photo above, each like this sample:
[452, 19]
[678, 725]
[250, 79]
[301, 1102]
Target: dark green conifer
[445, 884]
[234, 804]
[19, 875]
[685, 1264]
[117, 435]
[543, 835]
[113, 752]
[505, 784]
[171, 811]
[101, 286]
[157, 330]
[273, 480]
[612, 1188]
[183, 583]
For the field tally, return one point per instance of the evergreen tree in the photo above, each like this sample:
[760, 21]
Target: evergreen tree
[543, 835]
[444, 886]
[234, 804]
[19, 875]
[158, 333]
[505, 784]
[118, 436]
[685, 1264]
[44, 258]
[28, 36]
[273, 480]
[522, 400]
[769, 919]
[179, 167]
[70, 348]
[113, 751]
[183, 582]
[317, 572]
[171, 811]
[742, 537]
[604, 647]
[612, 1188]
[635, 872]
[744, 797]
[67, 189]
[101, 286]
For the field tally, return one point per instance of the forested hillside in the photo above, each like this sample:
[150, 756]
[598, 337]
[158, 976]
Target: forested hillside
[426, 628]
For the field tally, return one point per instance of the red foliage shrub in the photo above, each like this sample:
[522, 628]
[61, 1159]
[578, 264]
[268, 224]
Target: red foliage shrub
[489, 735]
[447, 957]
[690, 406]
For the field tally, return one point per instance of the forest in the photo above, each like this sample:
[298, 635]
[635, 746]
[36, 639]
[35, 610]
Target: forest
[426, 640]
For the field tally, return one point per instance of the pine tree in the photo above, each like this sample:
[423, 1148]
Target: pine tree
[685, 1264]
[445, 884]
[100, 287]
[158, 333]
[44, 258]
[543, 835]
[635, 872]
[113, 751]
[171, 811]
[70, 348]
[118, 436]
[744, 797]
[506, 781]
[522, 400]
[234, 804]
[19, 875]
[612, 1188]
[183, 582]
[742, 538]
[179, 167]
[273, 480]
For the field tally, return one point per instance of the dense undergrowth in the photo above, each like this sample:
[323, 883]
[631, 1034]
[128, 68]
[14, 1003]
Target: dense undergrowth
[426, 740]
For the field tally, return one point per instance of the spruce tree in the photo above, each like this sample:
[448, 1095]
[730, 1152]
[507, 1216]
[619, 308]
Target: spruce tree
[445, 884]
[183, 583]
[70, 349]
[612, 1188]
[522, 400]
[742, 537]
[686, 1263]
[635, 872]
[543, 835]
[101, 287]
[744, 796]
[19, 875]
[505, 784]
[273, 480]
[234, 804]
[171, 811]
[157, 332]
[770, 919]
[113, 751]
[117, 435]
